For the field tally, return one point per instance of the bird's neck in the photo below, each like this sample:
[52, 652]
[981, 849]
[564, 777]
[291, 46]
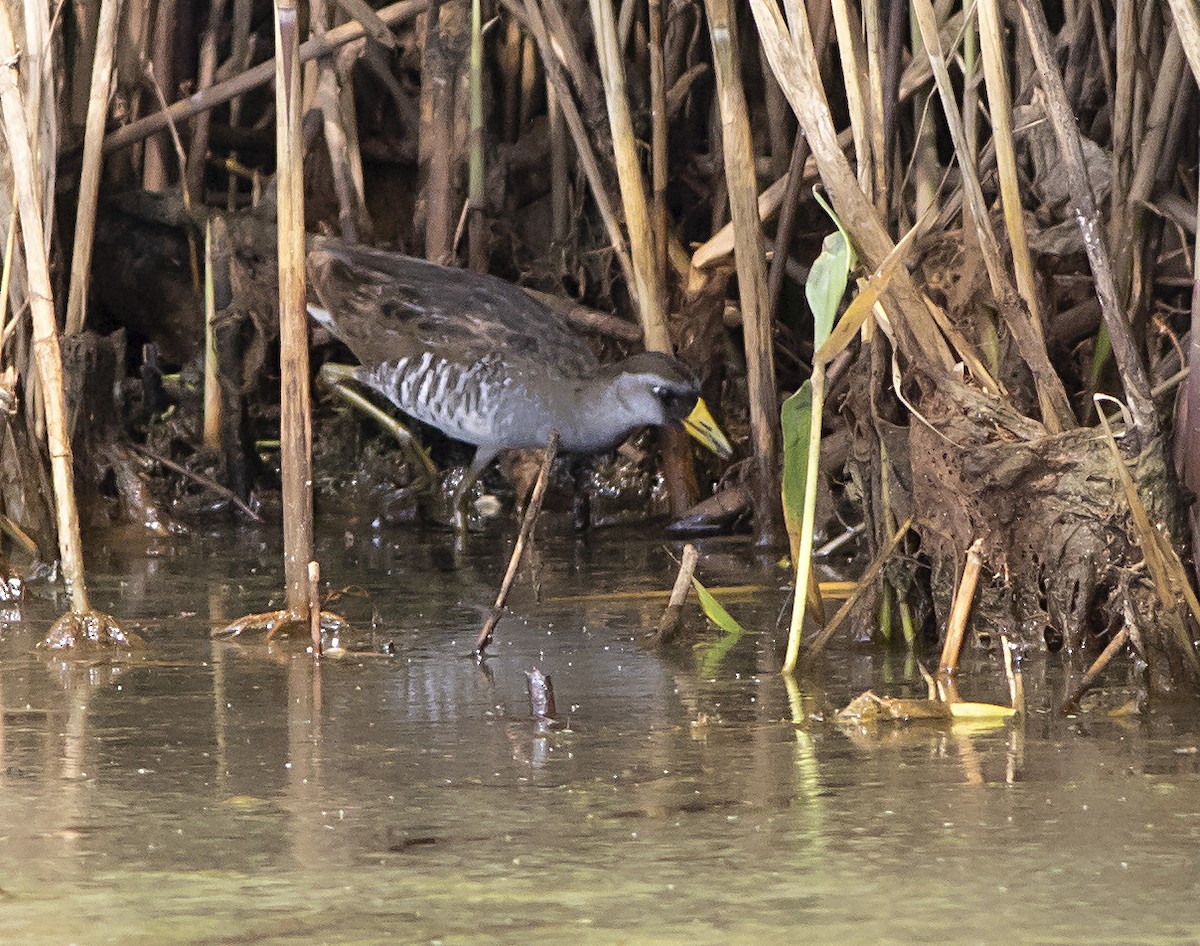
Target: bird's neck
[598, 418]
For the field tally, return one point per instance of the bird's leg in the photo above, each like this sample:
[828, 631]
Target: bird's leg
[337, 377]
[483, 456]
[581, 503]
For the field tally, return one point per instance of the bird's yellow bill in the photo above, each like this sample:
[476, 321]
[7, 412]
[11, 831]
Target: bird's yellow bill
[700, 424]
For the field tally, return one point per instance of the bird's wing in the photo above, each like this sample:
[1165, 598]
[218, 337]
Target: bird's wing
[386, 306]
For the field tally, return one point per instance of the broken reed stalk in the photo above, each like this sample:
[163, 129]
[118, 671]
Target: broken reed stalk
[264, 72]
[295, 420]
[93, 161]
[960, 610]
[528, 520]
[46, 350]
[738, 149]
[314, 613]
[668, 624]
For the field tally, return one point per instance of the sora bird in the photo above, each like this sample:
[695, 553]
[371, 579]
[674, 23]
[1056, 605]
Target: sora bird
[486, 364]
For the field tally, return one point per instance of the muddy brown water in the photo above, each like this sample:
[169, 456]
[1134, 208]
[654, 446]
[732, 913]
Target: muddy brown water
[227, 793]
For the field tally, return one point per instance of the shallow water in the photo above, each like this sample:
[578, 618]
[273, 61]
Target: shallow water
[227, 792]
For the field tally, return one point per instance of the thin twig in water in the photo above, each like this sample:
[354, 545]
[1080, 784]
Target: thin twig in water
[199, 478]
[868, 579]
[527, 523]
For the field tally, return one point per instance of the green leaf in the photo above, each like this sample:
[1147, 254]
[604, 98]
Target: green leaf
[715, 611]
[796, 420]
[715, 652]
[828, 278]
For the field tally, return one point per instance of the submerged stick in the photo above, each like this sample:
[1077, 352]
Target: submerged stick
[527, 523]
[1120, 639]
[205, 481]
[960, 610]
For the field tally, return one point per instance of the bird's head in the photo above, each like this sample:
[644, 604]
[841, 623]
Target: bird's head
[659, 390]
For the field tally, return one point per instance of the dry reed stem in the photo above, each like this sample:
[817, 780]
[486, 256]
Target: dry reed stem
[794, 62]
[579, 135]
[1187, 24]
[738, 149]
[162, 65]
[851, 53]
[261, 74]
[872, 18]
[89, 180]
[647, 292]
[999, 97]
[1122, 109]
[295, 421]
[960, 610]
[206, 72]
[1066, 131]
[660, 219]
[1026, 331]
[47, 354]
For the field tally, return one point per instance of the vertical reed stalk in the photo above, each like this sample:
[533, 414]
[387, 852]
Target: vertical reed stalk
[295, 421]
[154, 167]
[629, 176]
[212, 387]
[579, 135]
[738, 150]
[46, 351]
[1000, 109]
[560, 175]
[850, 51]
[875, 70]
[477, 230]
[93, 161]
[658, 140]
[1083, 206]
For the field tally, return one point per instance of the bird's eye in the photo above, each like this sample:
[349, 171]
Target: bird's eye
[658, 390]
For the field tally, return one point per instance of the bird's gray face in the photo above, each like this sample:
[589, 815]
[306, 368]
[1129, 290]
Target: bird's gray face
[656, 399]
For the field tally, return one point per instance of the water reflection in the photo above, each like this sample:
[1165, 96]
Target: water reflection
[217, 791]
